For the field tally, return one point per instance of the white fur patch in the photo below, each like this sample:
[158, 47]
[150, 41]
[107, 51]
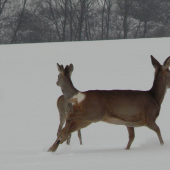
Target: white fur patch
[79, 96]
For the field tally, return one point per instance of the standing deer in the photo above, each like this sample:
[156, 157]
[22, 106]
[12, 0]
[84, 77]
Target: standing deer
[65, 108]
[131, 108]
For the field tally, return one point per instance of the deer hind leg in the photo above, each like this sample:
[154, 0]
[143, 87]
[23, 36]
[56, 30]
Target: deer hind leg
[62, 119]
[156, 128]
[76, 126]
[68, 111]
[60, 127]
[68, 139]
[61, 138]
[131, 136]
[80, 137]
[71, 126]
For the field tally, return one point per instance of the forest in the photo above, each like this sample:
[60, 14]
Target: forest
[35, 21]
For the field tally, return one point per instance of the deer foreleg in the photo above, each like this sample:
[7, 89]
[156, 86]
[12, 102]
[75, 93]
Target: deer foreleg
[54, 147]
[59, 129]
[155, 127]
[68, 139]
[71, 126]
[62, 121]
[80, 137]
[61, 138]
[131, 136]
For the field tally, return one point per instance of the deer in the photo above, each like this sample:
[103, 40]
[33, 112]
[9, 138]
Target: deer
[131, 108]
[65, 107]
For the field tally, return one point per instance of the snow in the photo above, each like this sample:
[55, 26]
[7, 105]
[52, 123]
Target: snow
[29, 118]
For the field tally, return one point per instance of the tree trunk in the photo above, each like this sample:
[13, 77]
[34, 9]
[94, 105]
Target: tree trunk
[125, 20]
[65, 20]
[13, 40]
[2, 5]
[55, 21]
[81, 19]
[138, 28]
[108, 18]
[103, 12]
[145, 29]
[71, 21]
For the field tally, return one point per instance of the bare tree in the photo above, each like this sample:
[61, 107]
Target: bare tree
[124, 8]
[81, 17]
[103, 13]
[90, 19]
[20, 15]
[71, 20]
[109, 4]
[146, 11]
[106, 15]
[2, 5]
[65, 11]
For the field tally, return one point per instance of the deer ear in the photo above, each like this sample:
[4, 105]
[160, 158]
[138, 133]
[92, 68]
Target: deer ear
[60, 68]
[167, 63]
[155, 63]
[69, 69]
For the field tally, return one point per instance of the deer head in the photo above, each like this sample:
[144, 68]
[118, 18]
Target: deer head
[64, 74]
[64, 81]
[162, 70]
[167, 74]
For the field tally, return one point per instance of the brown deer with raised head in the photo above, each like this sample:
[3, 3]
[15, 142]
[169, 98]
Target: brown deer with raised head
[131, 108]
[65, 108]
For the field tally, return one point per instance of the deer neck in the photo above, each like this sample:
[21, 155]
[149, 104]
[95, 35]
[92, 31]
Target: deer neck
[158, 89]
[69, 90]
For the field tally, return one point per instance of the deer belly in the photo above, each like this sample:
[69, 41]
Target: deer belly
[117, 121]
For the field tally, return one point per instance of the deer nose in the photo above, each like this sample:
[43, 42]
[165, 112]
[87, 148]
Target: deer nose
[57, 83]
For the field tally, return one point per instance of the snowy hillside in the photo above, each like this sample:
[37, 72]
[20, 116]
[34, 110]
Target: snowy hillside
[29, 117]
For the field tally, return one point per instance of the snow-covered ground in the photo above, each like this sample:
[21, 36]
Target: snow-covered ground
[29, 118]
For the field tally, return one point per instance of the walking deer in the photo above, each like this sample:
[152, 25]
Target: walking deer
[131, 108]
[65, 108]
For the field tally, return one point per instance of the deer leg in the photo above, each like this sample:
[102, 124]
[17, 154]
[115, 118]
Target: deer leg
[62, 120]
[68, 139]
[156, 128]
[71, 126]
[80, 137]
[59, 129]
[131, 136]
[61, 138]
[63, 116]
[55, 145]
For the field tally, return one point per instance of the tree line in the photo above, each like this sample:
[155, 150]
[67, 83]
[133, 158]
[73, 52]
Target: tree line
[33, 21]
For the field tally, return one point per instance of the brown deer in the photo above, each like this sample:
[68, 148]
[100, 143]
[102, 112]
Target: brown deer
[65, 107]
[131, 108]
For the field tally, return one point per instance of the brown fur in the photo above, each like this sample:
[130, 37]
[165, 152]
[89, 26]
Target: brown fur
[121, 107]
[65, 108]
